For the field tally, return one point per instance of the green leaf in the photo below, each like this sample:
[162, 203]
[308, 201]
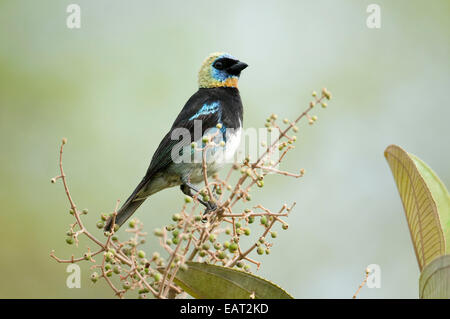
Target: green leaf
[204, 281]
[440, 195]
[434, 280]
[426, 203]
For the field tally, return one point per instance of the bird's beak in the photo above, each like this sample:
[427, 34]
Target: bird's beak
[236, 68]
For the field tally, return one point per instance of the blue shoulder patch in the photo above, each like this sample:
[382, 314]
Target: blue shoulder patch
[208, 109]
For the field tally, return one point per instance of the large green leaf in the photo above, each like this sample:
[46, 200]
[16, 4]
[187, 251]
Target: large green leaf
[204, 281]
[426, 203]
[440, 196]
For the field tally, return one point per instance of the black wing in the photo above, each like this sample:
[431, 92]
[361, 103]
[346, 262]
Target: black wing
[162, 156]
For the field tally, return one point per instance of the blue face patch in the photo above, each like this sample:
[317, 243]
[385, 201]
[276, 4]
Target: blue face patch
[221, 75]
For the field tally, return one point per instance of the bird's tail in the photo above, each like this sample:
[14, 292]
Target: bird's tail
[127, 209]
[124, 213]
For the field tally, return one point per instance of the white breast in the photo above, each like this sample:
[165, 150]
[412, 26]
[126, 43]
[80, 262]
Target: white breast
[232, 145]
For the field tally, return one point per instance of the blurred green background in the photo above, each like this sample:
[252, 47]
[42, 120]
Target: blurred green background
[114, 87]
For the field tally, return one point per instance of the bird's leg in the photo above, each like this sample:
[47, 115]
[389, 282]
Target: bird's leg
[187, 189]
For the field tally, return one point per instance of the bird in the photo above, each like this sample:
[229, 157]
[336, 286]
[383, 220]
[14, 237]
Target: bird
[215, 110]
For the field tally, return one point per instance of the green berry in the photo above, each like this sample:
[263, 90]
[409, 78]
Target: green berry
[141, 254]
[247, 231]
[94, 277]
[184, 267]
[263, 220]
[273, 234]
[126, 285]
[132, 223]
[260, 250]
[157, 276]
[158, 232]
[176, 217]
[100, 225]
[69, 240]
[233, 247]
[109, 256]
[221, 254]
[155, 255]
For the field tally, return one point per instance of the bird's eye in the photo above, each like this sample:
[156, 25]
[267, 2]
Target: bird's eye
[218, 65]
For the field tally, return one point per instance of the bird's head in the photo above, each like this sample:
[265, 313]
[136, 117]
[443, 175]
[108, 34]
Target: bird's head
[220, 70]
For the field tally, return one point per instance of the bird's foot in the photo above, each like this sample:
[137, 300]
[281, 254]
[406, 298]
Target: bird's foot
[210, 208]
